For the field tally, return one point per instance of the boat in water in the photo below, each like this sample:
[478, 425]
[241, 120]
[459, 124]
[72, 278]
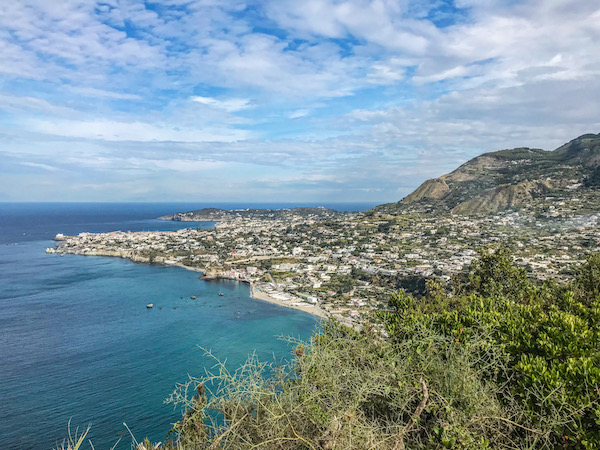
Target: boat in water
[150, 305]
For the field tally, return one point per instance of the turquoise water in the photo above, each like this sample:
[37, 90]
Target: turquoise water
[77, 342]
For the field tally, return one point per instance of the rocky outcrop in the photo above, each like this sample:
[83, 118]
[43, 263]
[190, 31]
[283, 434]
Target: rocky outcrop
[212, 273]
[434, 189]
[504, 197]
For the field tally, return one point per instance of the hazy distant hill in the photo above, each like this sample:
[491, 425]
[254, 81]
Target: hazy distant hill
[513, 179]
[215, 214]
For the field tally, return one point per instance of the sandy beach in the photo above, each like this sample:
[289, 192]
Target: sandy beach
[257, 293]
[310, 309]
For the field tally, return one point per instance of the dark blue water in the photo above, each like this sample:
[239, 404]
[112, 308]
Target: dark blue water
[77, 342]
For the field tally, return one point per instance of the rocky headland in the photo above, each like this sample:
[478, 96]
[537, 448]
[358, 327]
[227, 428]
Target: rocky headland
[217, 215]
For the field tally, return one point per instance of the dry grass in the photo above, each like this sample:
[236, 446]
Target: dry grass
[347, 390]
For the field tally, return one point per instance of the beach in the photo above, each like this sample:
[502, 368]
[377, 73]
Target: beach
[259, 294]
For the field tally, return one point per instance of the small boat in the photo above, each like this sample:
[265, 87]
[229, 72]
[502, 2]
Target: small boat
[221, 294]
[150, 305]
[193, 297]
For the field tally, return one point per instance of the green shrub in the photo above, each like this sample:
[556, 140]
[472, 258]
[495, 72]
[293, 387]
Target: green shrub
[550, 335]
[350, 390]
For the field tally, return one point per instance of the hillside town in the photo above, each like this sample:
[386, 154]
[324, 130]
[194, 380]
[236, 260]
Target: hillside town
[347, 265]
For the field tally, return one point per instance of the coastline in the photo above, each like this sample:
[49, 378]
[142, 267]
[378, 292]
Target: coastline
[310, 309]
[255, 292]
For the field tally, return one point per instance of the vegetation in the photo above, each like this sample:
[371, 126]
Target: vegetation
[549, 336]
[351, 390]
[74, 440]
[493, 360]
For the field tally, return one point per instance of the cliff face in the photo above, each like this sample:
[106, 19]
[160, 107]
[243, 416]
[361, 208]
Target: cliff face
[510, 179]
[211, 273]
[435, 189]
[511, 196]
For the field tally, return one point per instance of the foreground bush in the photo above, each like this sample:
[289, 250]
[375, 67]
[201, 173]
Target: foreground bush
[549, 333]
[350, 390]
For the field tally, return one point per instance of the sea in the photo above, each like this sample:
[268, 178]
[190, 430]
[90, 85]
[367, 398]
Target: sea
[79, 346]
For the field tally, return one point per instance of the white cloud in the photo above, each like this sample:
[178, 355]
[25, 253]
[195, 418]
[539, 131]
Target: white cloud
[371, 94]
[101, 93]
[206, 44]
[107, 130]
[18, 104]
[299, 113]
[379, 22]
[389, 72]
[40, 166]
[229, 105]
[177, 165]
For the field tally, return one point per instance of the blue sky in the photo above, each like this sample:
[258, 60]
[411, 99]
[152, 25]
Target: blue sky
[282, 100]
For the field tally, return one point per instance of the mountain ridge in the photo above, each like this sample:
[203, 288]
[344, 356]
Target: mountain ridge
[510, 179]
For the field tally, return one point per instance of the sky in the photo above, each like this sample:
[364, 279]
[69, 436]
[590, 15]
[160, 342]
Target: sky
[282, 100]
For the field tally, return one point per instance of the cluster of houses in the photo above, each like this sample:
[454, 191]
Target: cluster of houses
[349, 265]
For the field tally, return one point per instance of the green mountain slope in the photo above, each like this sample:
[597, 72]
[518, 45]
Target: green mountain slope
[511, 180]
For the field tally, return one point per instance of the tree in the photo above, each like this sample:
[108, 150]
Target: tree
[495, 274]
